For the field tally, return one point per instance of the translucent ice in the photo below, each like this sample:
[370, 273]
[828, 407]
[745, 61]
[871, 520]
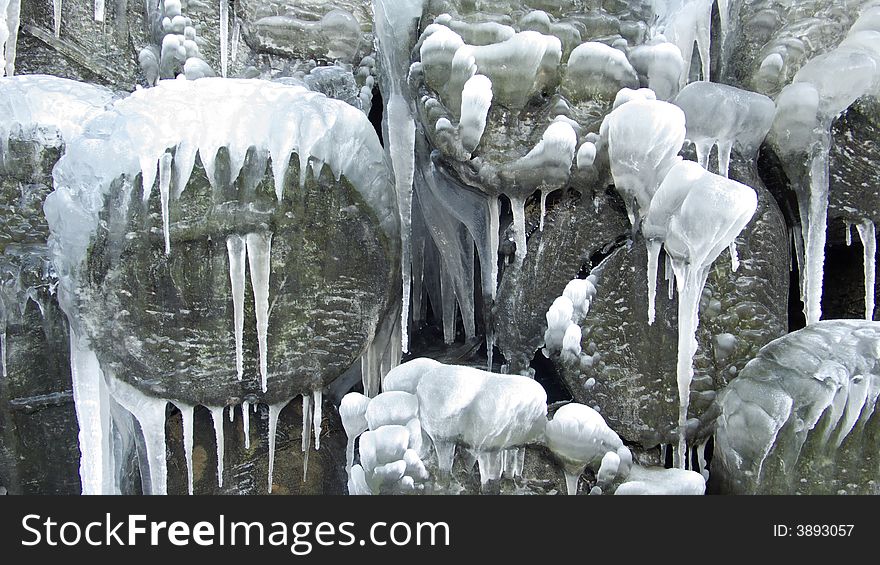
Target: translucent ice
[661, 63]
[868, 236]
[696, 214]
[596, 70]
[259, 256]
[10, 17]
[726, 116]
[219, 437]
[237, 251]
[475, 101]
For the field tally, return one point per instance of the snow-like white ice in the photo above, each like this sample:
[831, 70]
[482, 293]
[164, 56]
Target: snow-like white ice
[659, 481]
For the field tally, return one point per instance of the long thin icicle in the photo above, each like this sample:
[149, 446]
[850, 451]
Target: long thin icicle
[237, 252]
[56, 13]
[3, 351]
[7, 51]
[187, 413]
[93, 416]
[246, 424]
[224, 36]
[274, 411]
[217, 417]
[259, 250]
[317, 400]
[869, 244]
[164, 194]
[306, 432]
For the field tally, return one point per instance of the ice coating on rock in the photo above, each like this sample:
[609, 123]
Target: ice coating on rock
[661, 63]
[644, 138]
[696, 214]
[392, 407]
[579, 437]
[659, 481]
[484, 411]
[596, 70]
[822, 381]
[31, 104]
[868, 235]
[726, 116]
[559, 317]
[10, 17]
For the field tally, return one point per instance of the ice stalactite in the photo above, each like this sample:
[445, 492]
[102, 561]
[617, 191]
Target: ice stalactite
[56, 14]
[150, 415]
[3, 351]
[219, 438]
[683, 23]
[274, 411]
[307, 414]
[187, 414]
[801, 132]
[92, 405]
[869, 243]
[317, 402]
[99, 11]
[246, 423]
[352, 411]
[164, 194]
[696, 214]
[394, 26]
[10, 17]
[224, 37]
[259, 247]
[236, 37]
[848, 233]
[237, 252]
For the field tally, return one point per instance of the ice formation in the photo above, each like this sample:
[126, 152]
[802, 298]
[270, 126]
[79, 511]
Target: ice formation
[579, 437]
[563, 334]
[724, 116]
[10, 16]
[596, 70]
[821, 382]
[661, 63]
[659, 481]
[868, 235]
[822, 90]
[685, 22]
[696, 215]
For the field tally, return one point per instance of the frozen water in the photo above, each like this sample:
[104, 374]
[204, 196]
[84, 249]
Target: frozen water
[219, 438]
[579, 437]
[10, 16]
[659, 481]
[596, 70]
[187, 415]
[237, 251]
[726, 116]
[868, 236]
[259, 247]
[696, 214]
[661, 63]
[224, 37]
[392, 407]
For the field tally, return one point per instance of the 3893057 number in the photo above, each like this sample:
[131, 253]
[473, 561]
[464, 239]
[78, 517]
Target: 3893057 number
[823, 530]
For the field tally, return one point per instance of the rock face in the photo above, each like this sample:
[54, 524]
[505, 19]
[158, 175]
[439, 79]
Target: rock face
[801, 417]
[38, 443]
[329, 281]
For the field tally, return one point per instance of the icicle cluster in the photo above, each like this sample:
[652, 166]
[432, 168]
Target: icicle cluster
[821, 90]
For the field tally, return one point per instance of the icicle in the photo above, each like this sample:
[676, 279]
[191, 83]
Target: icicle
[231, 413]
[7, 51]
[246, 424]
[317, 400]
[224, 36]
[544, 194]
[164, 186]
[3, 350]
[654, 246]
[869, 244]
[91, 402]
[56, 12]
[99, 10]
[236, 37]
[701, 459]
[518, 205]
[187, 413]
[274, 411]
[690, 287]
[670, 277]
[734, 257]
[848, 232]
[217, 417]
[237, 252]
[259, 249]
[306, 432]
[814, 237]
